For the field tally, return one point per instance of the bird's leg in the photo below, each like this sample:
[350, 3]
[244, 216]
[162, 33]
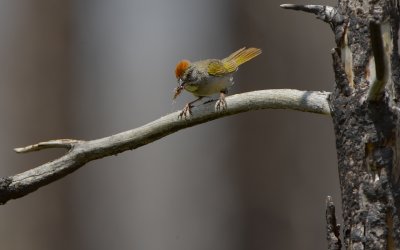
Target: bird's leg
[186, 111]
[221, 103]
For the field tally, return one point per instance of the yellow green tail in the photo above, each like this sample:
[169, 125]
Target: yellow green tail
[239, 57]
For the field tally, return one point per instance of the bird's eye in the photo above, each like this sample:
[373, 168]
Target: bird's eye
[189, 75]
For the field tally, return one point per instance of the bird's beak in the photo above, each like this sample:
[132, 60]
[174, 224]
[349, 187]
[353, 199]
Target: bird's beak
[178, 89]
[180, 83]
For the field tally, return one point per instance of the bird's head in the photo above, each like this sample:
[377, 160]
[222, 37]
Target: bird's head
[180, 70]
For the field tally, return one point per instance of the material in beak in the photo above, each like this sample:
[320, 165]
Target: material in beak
[178, 90]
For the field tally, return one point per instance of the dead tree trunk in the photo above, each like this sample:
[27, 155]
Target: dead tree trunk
[365, 115]
[365, 112]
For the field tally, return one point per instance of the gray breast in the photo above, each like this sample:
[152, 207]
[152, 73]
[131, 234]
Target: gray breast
[210, 85]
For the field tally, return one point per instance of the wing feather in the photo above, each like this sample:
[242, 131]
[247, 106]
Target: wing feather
[217, 68]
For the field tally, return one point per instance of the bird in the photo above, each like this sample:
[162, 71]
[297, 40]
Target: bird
[211, 76]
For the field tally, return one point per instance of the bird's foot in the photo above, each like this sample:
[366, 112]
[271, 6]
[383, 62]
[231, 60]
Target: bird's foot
[221, 105]
[186, 112]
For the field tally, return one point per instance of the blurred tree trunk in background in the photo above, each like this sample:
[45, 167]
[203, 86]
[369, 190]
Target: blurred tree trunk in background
[34, 76]
[285, 160]
[161, 196]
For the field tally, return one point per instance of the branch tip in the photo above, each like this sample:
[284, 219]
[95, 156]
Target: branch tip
[315, 9]
[288, 6]
[60, 143]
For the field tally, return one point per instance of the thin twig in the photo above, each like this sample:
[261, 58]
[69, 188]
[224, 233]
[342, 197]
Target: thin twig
[60, 143]
[81, 152]
[332, 228]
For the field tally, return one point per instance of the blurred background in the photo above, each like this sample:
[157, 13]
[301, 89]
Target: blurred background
[86, 69]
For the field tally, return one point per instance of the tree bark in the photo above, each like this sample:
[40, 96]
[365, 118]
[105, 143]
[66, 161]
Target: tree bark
[365, 113]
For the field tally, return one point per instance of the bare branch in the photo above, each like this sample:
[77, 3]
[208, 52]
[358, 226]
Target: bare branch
[81, 152]
[380, 61]
[325, 13]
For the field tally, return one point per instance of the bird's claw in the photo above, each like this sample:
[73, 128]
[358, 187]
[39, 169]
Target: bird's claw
[221, 105]
[186, 112]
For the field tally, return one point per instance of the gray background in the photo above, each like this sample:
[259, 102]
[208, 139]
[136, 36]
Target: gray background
[86, 69]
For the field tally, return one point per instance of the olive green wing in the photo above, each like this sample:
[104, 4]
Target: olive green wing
[220, 68]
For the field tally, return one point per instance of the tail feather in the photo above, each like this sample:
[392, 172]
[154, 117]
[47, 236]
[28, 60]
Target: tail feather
[239, 57]
[243, 55]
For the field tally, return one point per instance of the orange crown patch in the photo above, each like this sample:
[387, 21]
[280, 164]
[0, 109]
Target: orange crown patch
[181, 67]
